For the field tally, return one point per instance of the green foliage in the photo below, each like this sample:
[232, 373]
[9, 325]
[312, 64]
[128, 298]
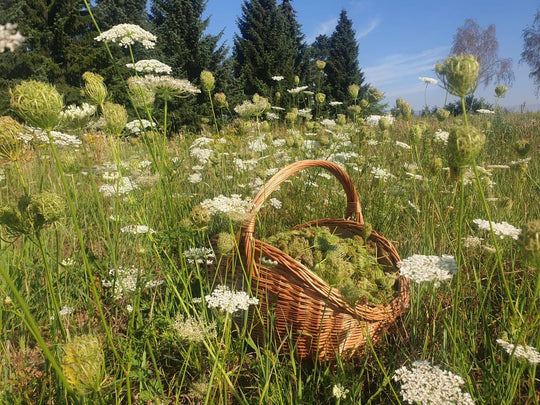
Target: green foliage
[342, 63]
[471, 105]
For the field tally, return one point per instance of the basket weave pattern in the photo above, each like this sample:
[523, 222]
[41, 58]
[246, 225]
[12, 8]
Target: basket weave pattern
[306, 312]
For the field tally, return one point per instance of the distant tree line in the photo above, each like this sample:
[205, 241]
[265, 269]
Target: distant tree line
[60, 47]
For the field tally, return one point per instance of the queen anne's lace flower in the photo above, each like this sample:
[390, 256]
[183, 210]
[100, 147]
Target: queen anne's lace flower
[421, 268]
[150, 66]
[297, 90]
[441, 136]
[193, 329]
[136, 126]
[501, 229]
[380, 173]
[528, 353]
[224, 205]
[427, 384]
[230, 301]
[123, 186]
[10, 37]
[136, 229]
[339, 391]
[127, 34]
[200, 255]
[277, 78]
[428, 80]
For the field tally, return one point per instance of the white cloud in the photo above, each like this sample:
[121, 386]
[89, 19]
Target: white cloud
[372, 25]
[395, 68]
[324, 28]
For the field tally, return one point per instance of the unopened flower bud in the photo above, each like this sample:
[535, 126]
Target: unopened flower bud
[11, 145]
[354, 89]
[207, 80]
[296, 80]
[115, 118]
[221, 100]
[384, 124]
[321, 64]
[404, 108]
[500, 91]
[94, 87]
[459, 73]
[320, 97]
[442, 114]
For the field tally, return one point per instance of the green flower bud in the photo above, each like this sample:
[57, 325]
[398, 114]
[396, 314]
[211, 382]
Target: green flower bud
[11, 145]
[435, 166]
[207, 80]
[364, 103]
[384, 124]
[43, 209]
[38, 103]
[375, 94]
[442, 114]
[354, 89]
[404, 108]
[221, 100]
[354, 109]
[464, 145]
[296, 80]
[292, 115]
[500, 91]
[277, 95]
[416, 132]
[94, 87]
[459, 74]
[226, 243]
[320, 97]
[321, 64]
[115, 118]
[341, 119]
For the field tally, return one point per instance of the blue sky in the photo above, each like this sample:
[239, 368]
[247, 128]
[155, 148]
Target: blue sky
[400, 41]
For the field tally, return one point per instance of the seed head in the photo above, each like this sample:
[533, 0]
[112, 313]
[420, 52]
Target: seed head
[225, 243]
[404, 108]
[38, 103]
[207, 80]
[83, 364]
[464, 145]
[141, 95]
[459, 74]
[221, 100]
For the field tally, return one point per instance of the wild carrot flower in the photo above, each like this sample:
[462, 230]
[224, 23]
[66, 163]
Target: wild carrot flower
[137, 229]
[501, 229]
[428, 80]
[123, 186]
[77, 117]
[427, 384]
[137, 126]
[200, 255]
[528, 353]
[339, 391]
[485, 111]
[187, 327]
[228, 300]
[167, 86]
[420, 268]
[127, 34]
[277, 78]
[95, 87]
[150, 66]
[297, 90]
[224, 205]
[380, 173]
[459, 74]
[441, 136]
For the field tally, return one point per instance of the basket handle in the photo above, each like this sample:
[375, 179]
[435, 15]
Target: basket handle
[353, 204]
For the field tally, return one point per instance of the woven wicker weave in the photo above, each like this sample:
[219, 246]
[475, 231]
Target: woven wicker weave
[309, 315]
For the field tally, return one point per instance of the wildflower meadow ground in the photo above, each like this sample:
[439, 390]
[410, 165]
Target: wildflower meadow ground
[108, 284]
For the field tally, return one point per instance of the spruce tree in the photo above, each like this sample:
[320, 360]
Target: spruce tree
[342, 67]
[113, 12]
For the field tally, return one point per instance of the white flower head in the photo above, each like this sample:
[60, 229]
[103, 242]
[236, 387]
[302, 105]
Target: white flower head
[297, 90]
[420, 268]
[339, 391]
[277, 78]
[200, 255]
[136, 229]
[528, 353]
[229, 300]
[137, 126]
[427, 384]
[127, 34]
[335, 103]
[501, 229]
[150, 66]
[485, 111]
[428, 80]
[193, 329]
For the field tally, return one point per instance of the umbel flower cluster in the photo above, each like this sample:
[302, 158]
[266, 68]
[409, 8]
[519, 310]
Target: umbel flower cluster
[127, 34]
[228, 300]
[427, 384]
[10, 37]
[421, 268]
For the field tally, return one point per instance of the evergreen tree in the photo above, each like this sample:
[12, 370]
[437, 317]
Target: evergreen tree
[113, 12]
[270, 44]
[59, 45]
[342, 67]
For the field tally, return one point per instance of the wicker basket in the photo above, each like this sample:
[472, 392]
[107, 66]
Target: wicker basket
[306, 313]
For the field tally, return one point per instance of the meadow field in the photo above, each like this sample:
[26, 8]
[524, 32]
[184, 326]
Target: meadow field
[107, 275]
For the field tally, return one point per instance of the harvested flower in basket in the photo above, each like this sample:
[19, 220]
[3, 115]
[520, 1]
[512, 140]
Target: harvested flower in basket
[327, 286]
